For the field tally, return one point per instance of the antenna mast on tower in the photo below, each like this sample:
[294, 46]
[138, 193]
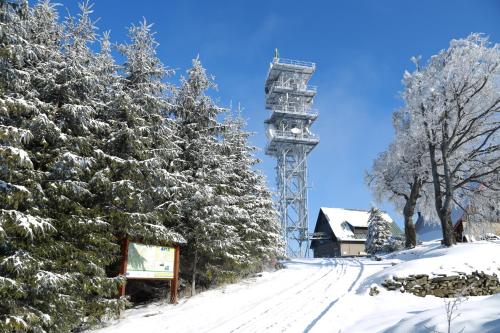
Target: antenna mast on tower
[289, 98]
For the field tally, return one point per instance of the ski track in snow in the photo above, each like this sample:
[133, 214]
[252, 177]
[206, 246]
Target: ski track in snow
[294, 299]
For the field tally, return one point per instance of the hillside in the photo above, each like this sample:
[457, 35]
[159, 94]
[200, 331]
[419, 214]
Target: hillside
[332, 295]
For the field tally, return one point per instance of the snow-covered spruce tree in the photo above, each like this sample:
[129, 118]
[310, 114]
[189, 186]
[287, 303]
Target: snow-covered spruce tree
[379, 233]
[225, 255]
[454, 102]
[24, 223]
[68, 285]
[76, 94]
[256, 217]
[135, 186]
[204, 208]
[56, 99]
[38, 294]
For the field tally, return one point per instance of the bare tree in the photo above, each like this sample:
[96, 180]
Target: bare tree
[454, 103]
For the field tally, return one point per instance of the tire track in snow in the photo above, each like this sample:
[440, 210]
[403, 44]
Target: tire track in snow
[281, 312]
[300, 308]
[271, 302]
[316, 276]
[328, 308]
[303, 311]
[306, 306]
[237, 312]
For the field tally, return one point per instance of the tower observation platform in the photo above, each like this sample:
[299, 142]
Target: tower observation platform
[289, 99]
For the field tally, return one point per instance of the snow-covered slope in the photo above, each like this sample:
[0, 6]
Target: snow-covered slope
[296, 299]
[392, 311]
[331, 295]
[481, 315]
[432, 258]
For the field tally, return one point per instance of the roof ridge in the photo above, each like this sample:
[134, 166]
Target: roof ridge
[351, 209]
[355, 209]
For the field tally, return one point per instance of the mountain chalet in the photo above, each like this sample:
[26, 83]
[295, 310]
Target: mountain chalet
[343, 232]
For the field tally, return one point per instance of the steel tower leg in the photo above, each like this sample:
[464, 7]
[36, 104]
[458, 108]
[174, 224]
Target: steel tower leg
[292, 189]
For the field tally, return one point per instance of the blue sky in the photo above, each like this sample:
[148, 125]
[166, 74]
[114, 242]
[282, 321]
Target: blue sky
[361, 49]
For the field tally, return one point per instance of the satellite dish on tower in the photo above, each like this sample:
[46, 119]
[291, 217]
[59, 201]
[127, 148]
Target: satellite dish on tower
[296, 130]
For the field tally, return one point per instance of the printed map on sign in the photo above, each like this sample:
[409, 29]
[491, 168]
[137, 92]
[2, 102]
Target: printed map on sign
[150, 262]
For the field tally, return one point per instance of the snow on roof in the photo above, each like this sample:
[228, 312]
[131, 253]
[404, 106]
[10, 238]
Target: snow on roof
[337, 218]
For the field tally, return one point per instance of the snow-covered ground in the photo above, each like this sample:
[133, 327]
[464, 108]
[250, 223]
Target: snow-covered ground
[331, 295]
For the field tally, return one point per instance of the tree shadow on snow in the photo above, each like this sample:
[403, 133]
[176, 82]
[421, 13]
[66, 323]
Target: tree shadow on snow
[492, 326]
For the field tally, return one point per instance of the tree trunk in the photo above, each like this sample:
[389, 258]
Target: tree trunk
[409, 210]
[410, 233]
[445, 216]
[193, 276]
[447, 227]
[443, 209]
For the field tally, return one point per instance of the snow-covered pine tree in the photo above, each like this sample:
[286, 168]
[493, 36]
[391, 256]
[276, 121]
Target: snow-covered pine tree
[88, 157]
[135, 186]
[256, 217]
[56, 99]
[76, 95]
[137, 183]
[233, 250]
[211, 239]
[60, 82]
[264, 213]
[32, 291]
[379, 232]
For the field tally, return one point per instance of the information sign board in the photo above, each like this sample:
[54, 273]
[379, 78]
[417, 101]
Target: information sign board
[150, 262]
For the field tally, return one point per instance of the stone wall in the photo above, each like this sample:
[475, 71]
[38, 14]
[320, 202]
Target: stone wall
[474, 284]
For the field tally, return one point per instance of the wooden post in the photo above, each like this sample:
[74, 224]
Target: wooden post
[123, 265]
[174, 283]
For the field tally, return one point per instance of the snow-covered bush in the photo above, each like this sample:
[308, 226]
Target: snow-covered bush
[396, 243]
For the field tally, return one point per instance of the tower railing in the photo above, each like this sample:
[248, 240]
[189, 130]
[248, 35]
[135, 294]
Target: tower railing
[295, 109]
[294, 62]
[288, 86]
[289, 135]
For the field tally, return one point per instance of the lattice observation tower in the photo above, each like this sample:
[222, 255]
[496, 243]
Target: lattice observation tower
[289, 99]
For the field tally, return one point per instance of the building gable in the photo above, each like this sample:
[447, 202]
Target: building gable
[322, 226]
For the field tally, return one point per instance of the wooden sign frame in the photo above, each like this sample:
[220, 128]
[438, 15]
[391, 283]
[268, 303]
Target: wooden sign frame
[174, 282]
